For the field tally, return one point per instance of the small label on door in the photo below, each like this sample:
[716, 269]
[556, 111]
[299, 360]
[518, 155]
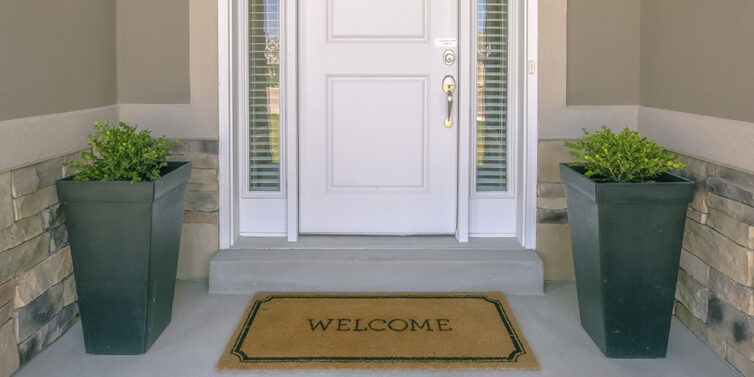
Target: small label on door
[446, 42]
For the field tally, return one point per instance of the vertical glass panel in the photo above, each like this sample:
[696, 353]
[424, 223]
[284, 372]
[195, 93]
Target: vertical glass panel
[492, 96]
[264, 95]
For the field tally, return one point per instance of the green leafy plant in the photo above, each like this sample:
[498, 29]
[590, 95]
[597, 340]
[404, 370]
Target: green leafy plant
[122, 154]
[622, 157]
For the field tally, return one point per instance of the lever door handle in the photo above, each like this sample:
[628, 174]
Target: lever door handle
[449, 87]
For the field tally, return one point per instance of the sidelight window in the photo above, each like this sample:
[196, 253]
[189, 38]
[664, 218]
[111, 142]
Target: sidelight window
[491, 164]
[264, 95]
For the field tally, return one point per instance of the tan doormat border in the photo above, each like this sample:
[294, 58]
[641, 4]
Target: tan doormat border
[466, 331]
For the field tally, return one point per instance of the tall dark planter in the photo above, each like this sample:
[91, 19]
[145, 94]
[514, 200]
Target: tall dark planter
[124, 243]
[626, 240]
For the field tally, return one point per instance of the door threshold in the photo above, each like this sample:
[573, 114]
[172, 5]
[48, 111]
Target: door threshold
[371, 242]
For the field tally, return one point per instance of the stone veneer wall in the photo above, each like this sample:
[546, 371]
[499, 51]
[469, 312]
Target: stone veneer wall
[553, 234]
[715, 292]
[37, 288]
[200, 237]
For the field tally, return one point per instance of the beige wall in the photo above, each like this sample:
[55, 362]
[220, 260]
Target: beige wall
[56, 58]
[691, 65]
[697, 85]
[698, 57]
[198, 118]
[153, 51]
[691, 56]
[603, 52]
[557, 119]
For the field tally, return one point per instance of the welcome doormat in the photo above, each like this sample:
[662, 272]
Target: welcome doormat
[378, 331]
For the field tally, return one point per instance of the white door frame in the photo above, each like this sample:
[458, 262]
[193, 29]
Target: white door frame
[228, 113]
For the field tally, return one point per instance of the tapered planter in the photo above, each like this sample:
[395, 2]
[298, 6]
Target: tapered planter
[124, 241]
[626, 240]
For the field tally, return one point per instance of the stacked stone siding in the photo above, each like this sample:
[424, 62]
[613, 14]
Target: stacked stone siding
[553, 234]
[37, 289]
[715, 293]
[200, 235]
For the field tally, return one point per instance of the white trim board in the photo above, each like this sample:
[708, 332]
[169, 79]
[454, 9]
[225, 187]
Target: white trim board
[228, 223]
[228, 67]
[465, 117]
[530, 135]
[289, 113]
[26, 141]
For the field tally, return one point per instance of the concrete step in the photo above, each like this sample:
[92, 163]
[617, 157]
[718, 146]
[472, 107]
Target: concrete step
[444, 266]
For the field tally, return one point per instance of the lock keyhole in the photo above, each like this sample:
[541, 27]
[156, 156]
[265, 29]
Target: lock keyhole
[449, 57]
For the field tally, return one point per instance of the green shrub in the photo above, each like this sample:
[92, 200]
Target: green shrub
[623, 157]
[122, 154]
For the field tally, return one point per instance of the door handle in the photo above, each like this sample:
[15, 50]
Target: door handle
[449, 87]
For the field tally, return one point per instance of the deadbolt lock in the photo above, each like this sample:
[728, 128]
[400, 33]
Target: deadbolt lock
[449, 57]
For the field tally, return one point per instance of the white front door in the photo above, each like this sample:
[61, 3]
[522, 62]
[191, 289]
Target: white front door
[375, 155]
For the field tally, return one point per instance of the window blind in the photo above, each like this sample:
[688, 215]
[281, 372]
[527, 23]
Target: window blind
[264, 95]
[492, 96]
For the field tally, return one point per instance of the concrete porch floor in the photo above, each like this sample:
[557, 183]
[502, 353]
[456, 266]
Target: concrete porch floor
[202, 325]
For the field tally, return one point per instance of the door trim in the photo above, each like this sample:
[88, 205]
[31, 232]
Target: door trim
[228, 114]
[465, 75]
[289, 86]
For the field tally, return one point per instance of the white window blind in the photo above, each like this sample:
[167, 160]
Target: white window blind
[492, 96]
[264, 95]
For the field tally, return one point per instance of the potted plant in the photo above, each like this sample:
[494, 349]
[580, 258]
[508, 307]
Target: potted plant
[124, 211]
[627, 216]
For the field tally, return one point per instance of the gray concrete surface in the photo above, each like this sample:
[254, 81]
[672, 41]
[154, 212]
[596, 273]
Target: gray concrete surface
[202, 325]
[247, 271]
[361, 263]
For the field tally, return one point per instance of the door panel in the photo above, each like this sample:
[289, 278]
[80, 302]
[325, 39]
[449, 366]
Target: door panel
[377, 19]
[375, 155]
[369, 146]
